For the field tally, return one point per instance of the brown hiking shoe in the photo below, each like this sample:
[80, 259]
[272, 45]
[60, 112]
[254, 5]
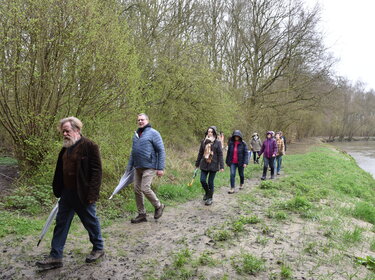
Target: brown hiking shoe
[139, 219]
[49, 263]
[94, 256]
[241, 187]
[159, 211]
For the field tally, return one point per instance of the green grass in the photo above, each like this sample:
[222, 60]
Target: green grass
[365, 211]
[205, 259]
[11, 223]
[286, 272]
[323, 174]
[8, 161]
[352, 236]
[246, 263]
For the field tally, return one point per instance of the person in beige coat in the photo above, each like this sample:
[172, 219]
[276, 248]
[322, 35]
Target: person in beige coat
[280, 152]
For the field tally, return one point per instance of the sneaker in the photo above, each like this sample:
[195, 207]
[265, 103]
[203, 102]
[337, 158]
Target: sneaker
[208, 201]
[241, 187]
[231, 191]
[263, 178]
[94, 256]
[139, 219]
[278, 173]
[49, 263]
[272, 177]
[159, 211]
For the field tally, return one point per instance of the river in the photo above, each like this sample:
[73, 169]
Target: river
[362, 151]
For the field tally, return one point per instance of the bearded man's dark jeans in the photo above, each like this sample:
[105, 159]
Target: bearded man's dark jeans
[70, 204]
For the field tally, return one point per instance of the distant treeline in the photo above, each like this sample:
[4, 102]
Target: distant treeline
[251, 65]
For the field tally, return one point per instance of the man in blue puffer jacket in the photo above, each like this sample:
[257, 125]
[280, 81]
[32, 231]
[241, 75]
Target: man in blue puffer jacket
[148, 159]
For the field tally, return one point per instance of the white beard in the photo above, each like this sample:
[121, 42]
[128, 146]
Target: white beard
[68, 142]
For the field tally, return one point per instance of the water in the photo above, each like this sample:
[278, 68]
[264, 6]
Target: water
[363, 152]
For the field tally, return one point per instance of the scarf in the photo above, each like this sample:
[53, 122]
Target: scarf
[208, 153]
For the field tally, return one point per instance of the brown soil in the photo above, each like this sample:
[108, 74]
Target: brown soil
[8, 173]
[146, 250]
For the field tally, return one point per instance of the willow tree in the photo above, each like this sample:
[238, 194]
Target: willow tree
[60, 58]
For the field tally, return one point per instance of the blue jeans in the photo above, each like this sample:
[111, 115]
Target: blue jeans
[268, 162]
[233, 168]
[68, 205]
[279, 160]
[208, 188]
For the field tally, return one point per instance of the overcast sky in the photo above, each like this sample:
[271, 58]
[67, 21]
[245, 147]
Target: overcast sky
[349, 31]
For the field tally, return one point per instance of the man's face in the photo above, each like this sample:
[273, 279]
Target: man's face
[70, 136]
[142, 121]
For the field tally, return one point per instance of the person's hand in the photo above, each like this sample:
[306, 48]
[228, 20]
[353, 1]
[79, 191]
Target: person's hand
[273, 155]
[221, 170]
[244, 165]
[160, 173]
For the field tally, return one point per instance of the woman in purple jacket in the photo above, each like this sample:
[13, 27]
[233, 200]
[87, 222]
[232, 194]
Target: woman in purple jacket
[269, 151]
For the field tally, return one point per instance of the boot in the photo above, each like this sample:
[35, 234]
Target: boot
[159, 211]
[241, 186]
[139, 219]
[94, 256]
[49, 263]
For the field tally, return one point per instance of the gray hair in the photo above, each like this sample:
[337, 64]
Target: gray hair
[143, 114]
[76, 123]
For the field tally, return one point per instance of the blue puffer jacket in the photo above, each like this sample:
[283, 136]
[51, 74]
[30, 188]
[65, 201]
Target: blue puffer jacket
[148, 150]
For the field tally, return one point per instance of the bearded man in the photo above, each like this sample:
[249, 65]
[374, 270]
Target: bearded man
[77, 183]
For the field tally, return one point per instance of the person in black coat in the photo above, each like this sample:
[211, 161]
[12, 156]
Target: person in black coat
[237, 157]
[209, 160]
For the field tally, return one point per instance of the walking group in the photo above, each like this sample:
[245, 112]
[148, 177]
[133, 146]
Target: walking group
[210, 158]
[78, 175]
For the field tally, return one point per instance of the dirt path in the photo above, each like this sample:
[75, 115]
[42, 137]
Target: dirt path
[146, 250]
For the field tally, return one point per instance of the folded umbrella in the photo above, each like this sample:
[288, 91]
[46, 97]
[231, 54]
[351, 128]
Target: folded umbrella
[49, 221]
[194, 175]
[125, 180]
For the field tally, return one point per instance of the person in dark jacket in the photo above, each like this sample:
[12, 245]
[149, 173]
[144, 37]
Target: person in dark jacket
[148, 159]
[209, 160]
[77, 183]
[237, 157]
[269, 151]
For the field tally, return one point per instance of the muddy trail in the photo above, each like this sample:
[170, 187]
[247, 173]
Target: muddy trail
[203, 234]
